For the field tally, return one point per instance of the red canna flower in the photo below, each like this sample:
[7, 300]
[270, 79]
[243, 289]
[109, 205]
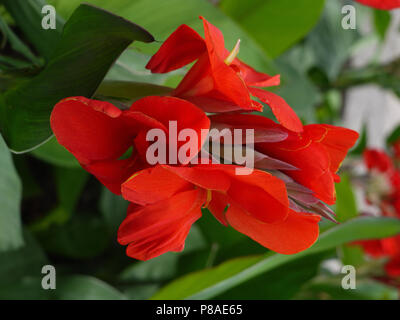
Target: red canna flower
[100, 135]
[381, 4]
[377, 160]
[218, 81]
[385, 248]
[167, 200]
[383, 190]
[316, 153]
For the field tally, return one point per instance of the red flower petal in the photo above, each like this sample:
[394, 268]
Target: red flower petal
[152, 185]
[90, 129]
[166, 109]
[297, 233]
[112, 173]
[392, 267]
[161, 227]
[282, 111]
[336, 140]
[217, 206]
[254, 78]
[261, 195]
[381, 4]
[376, 159]
[214, 40]
[204, 176]
[182, 47]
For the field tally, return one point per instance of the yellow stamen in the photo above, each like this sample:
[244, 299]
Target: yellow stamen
[208, 199]
[233, 53]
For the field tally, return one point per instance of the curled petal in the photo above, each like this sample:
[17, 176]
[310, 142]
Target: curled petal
[296, 233]
[282, 111]
[336, 140]
[152, 185]
[166, 110]
[377, 159]
[254, 78]
[90, 129]
[112, 173]
[182, 47]
[161, 227]
[381, 4]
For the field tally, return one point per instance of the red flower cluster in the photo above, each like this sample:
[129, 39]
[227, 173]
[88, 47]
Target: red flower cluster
[278, 204]
[381, 4]
[385, 194]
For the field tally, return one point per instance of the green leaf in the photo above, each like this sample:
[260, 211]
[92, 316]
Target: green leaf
[394, 136]
[70, 183]
[346, 206]
[81, 237]
[275, 25]
[165, 266]
[346, 209]
[331, 44]
[80, 287]
[91, 41]
[382, 21]
[331, 288]
[26, 288]
[54, 153]
[141, 291]
[131, 66]
[27, 261]
[10, 198]
[130, 90]
[298, 91]
[278, 284]
[15, 43]
[163, 17]
[212, 282]
[27, 14]
[113, 208]
[351, 255]
[158, 269]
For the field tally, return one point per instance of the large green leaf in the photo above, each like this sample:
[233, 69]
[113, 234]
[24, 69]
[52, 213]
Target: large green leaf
[212, 282]
[346, 206]
[26, 261]
[281, 283]
[81, 237]
[275, 25]
[27, 14]
[91, 41]
[130, 91]
[113, 209]
[15, 43]
[346, 209]
[80, 287]
[163, 17]
[10, 197]
[54, 153]
[331, 288]
[330, 43]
